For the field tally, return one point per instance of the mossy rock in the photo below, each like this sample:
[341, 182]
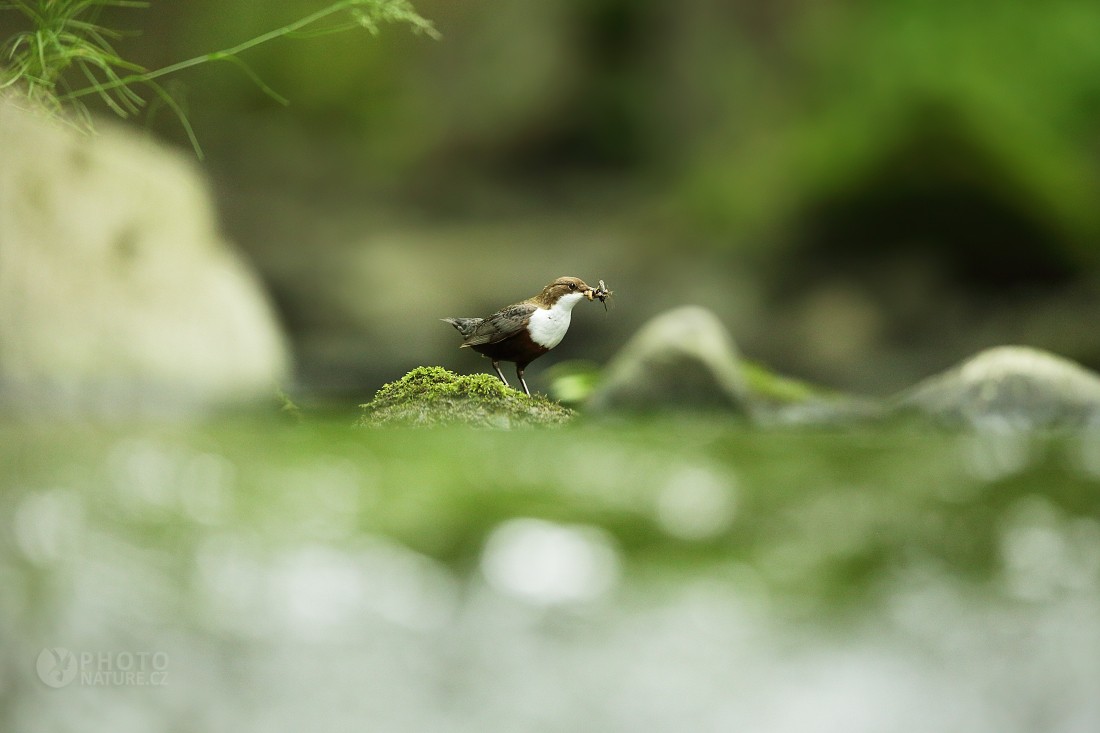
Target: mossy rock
[435, 396]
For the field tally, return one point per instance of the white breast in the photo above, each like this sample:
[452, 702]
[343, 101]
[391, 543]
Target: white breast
[548, 325]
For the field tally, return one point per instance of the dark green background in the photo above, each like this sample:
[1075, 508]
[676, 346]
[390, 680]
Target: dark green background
[865, 192]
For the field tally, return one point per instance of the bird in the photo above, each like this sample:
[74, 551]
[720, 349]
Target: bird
[524, 331]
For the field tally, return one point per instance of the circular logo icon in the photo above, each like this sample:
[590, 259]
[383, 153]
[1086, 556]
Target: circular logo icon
[56, 666]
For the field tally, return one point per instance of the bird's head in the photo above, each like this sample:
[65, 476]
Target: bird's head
[565, 287]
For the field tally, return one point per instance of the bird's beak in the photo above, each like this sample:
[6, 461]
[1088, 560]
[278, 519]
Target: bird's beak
[590, 294]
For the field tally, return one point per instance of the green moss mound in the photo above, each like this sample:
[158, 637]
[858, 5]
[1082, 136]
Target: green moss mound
[435, 396]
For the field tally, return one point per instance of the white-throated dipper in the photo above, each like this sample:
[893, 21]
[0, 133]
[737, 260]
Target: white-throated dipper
[525, 331]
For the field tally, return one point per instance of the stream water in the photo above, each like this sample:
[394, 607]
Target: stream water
[662, 576]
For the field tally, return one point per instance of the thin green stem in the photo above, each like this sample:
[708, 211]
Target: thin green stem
[169, 100]
[232, 51]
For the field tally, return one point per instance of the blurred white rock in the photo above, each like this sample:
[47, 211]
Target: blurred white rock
[118, 293]
[1009, 388]
[682, 359]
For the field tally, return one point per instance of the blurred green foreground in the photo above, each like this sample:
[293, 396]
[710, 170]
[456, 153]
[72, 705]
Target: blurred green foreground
[662, 576]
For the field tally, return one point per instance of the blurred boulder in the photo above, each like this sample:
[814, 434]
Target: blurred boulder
[683, 359]
[117, 291]
[1010, 387]
[836, 412]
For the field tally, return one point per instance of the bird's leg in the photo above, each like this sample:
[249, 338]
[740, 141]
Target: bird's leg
[496, 366]
[519, 373]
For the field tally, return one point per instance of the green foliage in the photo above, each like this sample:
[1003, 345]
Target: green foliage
[855, 82]
[436, 396]
[287, 406]
[65, 37]
[770, 388]
[572, 382]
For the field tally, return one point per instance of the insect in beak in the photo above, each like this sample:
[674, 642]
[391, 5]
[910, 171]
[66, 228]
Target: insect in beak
[602, 293]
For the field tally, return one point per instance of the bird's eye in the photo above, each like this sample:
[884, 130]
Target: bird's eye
[572, 286]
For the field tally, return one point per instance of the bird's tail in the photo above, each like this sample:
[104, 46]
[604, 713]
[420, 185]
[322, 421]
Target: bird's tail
[464, 326]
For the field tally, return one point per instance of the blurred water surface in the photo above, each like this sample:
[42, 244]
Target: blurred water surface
[660, 576]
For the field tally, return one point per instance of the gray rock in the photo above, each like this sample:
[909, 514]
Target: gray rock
[1009, 387]
[683, 359]
[838, 411]
[117, 291]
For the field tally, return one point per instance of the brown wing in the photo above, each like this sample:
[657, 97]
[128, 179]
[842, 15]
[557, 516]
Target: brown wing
[503, 324]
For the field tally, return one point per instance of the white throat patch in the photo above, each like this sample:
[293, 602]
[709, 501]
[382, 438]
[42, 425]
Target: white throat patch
[548, 326]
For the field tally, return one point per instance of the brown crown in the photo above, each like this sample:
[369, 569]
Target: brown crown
[561, 286]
